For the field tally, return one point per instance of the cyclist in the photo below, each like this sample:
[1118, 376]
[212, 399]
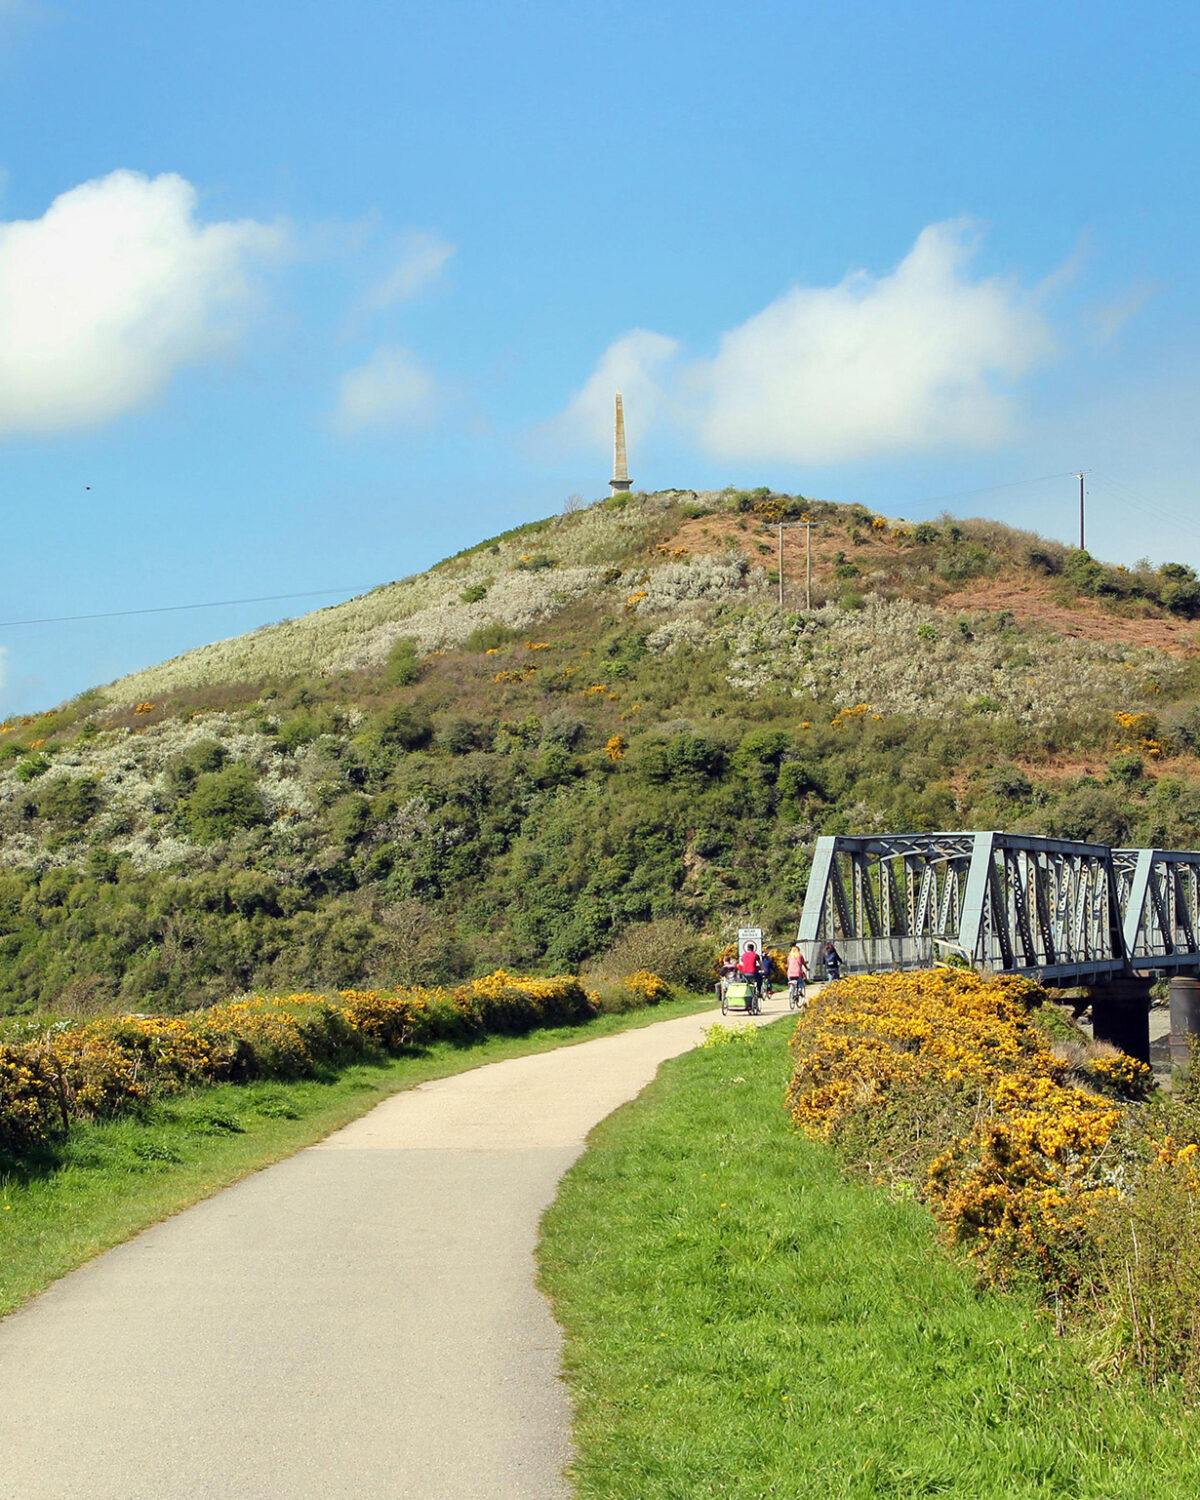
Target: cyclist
[797, 973]
[764, 974]
[750, 970]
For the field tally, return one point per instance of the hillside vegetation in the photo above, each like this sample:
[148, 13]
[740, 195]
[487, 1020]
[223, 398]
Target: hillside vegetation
[593, 723]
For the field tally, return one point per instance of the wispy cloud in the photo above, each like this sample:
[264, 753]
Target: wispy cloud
[393, 389]
[923, 357]
[637, 365]
[1108, 318]
[109, 293]
[420, 260]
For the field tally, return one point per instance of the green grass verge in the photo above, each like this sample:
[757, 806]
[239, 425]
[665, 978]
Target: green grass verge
[742, 1320]
[108, 1181]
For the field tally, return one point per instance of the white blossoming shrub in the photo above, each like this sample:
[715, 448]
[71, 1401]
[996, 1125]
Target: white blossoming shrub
[673, 635]
[516, 600]
[906, 658]
[707, 578]
[129, 768]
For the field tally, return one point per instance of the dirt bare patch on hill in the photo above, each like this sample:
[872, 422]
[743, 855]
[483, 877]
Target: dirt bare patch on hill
[1087, 619]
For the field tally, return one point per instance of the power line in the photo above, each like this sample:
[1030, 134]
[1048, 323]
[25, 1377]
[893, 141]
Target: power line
[165, 609]
[1013, 484]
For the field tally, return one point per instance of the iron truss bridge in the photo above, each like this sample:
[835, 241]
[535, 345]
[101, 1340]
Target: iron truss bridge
[1063, 912]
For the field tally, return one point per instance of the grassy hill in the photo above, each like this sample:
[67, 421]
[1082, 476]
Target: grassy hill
[594, 722]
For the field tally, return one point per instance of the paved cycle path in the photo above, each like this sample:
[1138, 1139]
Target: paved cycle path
[361, 1320]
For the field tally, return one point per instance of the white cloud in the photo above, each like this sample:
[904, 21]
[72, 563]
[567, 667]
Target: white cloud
[917, 359]
[635, 365]
[421, 259]
[1107, 319]
[921, 358]
[392, 389]
[109, 293]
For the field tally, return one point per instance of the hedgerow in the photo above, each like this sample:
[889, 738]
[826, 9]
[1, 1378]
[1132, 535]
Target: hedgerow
[110, 1067]
[1046, 1162]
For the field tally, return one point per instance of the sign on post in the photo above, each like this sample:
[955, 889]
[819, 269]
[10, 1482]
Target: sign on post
[748, 935]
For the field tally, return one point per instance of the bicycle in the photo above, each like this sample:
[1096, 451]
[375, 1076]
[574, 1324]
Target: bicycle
[795, 993]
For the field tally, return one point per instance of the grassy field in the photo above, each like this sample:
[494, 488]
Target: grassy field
[108, 1181]
[741, 1320]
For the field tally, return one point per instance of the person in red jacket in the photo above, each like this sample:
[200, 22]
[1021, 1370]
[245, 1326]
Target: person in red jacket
[750, 968]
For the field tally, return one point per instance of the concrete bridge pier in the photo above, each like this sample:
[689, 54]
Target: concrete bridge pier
[1121, 1014]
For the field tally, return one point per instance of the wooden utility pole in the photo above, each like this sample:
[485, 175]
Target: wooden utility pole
[1079, 473]
[808, 531]
[808, 526]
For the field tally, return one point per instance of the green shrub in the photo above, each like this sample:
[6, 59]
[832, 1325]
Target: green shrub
[1010, 784]
[222, 803]
[1093, 813]
[1126, 769]
[185, 769]
[405, 728]
[669, 947]
[350, 817]
[490, 638]
[70, 801]
[1150, 1277]
[300, 729]
[1180, 593]
[462, 736]
[966, 560]
[403, 666]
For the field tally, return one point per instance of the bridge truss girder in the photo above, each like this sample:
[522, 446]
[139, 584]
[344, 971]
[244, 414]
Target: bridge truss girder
[1159, 892]
[1007, 902]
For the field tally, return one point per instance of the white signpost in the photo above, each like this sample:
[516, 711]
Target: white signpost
[748, 935]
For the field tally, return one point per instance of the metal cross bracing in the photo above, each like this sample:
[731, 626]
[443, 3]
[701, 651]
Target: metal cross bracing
[1159, 893]
[1065, 911]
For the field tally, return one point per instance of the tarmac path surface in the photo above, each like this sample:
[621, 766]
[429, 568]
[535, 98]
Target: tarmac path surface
[361, 1320]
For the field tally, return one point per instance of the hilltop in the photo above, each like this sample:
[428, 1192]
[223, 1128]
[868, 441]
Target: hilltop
[595, 722]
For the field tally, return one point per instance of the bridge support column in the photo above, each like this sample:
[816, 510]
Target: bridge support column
[1121, 1015]
[1185, 1018]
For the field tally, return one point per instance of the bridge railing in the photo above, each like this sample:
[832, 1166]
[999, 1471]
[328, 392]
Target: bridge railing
[867, 955]
[1064, 910]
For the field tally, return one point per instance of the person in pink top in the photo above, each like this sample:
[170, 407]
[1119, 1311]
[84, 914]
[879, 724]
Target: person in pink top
[797, 973]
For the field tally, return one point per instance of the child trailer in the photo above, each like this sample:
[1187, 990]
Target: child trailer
[737, 993]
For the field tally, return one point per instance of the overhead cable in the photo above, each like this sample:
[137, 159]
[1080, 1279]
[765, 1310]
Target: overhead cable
[164, 609]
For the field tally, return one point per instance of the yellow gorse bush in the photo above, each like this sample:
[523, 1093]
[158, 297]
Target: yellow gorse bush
[108, 1067]
[649, 986]
[1015, 1182]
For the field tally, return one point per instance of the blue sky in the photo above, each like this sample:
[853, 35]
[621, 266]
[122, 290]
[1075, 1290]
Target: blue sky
[307, 296]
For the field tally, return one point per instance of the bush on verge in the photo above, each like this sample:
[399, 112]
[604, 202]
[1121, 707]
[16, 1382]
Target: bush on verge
[1044, 1160]
[109, 1067]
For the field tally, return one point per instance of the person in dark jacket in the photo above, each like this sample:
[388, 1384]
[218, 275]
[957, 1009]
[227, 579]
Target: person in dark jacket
[764, 973]
[832, 960]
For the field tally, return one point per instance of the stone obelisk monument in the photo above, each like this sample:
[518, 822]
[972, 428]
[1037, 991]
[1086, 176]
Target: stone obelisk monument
[620, 481]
